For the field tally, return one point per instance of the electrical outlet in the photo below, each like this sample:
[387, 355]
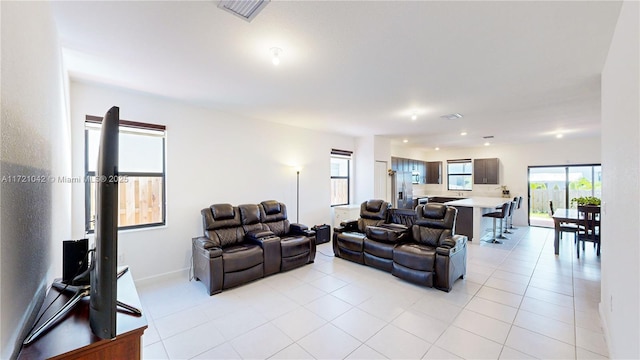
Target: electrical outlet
[120, 259]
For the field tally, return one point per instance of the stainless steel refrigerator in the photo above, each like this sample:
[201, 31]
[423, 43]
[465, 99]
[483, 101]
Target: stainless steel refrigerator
[402, 186]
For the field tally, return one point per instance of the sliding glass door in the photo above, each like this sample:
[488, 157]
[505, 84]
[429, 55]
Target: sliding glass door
[558, 185]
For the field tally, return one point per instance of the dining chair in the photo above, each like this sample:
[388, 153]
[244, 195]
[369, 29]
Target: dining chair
[590, 222]
[565, 227]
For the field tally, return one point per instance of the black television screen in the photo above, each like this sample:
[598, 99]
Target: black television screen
[103, 274]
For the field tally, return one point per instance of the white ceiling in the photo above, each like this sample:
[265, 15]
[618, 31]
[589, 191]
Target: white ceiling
[520, 71]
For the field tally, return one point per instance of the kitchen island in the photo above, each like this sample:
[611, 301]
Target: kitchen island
[470, 221]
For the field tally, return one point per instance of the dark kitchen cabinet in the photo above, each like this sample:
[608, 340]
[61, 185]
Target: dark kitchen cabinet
[485, 171]
[417, 168]
[433, 172]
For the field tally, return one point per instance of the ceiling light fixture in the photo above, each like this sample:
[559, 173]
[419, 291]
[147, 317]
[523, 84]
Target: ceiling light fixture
[559, 136]
[414, 116]
[405, 141]
[452, 116]
[275, 51]
[245, 9]
[437, 149]
[463, 133]
[487, 144]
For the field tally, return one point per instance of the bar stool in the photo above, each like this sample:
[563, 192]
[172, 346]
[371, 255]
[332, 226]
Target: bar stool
[498, 215]
[518, 201]
[512, 206]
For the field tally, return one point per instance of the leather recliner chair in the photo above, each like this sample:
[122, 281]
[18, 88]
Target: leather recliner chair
[348, 240]
[244, 243]
[382, 239]
[224, 257]
[297, 242]
[435, 257]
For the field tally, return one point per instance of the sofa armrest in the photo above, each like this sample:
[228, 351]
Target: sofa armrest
[259, 234]
[205, 245]
[301, 229]
[347, 226]
[395, 227]
[271, 249]
[452, 245]
[386, 234]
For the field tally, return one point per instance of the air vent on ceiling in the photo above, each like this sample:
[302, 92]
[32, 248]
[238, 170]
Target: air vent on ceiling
[488, 137]
[244, 9]
[451, 116]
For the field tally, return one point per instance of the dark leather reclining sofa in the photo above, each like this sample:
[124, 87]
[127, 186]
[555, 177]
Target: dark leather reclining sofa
[419, 246]
[247, 242]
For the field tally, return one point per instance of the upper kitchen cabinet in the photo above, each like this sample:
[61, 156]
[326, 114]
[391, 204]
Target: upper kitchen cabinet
[417, 168]
[434, 172]
[485, 171]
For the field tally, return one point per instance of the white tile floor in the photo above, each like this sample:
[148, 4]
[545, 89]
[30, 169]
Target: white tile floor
[518, 301]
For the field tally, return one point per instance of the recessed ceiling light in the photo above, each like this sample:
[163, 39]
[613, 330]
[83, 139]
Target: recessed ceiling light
[275, 52]
[437, 148]
[487, 144]
[559, 136]
[414, 116]
[405, 141]
[463, 133]
[451, 116]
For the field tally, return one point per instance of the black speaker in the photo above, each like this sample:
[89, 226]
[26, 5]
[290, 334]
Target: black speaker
[74, 258]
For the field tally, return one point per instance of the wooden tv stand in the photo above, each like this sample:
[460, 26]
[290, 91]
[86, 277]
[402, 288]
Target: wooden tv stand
[71, 337]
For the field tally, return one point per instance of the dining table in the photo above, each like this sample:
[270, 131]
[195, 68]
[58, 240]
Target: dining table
[563, 216]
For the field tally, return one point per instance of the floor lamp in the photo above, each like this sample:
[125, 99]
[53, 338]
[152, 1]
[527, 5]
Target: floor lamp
[298, 196]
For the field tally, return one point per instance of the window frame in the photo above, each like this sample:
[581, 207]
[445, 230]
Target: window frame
[469, 174]
[345, 155]
[90, 119]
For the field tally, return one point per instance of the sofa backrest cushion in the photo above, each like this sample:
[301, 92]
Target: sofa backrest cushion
[434, 223]
[274, 215]
[364, 223]
[272, 207]
[374, 209]
[405, 217]
[222, 224]
[372, 213]
[250, 216]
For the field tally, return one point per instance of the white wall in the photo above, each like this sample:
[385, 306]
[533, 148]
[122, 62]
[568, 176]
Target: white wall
[34, 215]
[369, 149]
[620, 300]
[514, 160]
[364, 168]
[212, 157]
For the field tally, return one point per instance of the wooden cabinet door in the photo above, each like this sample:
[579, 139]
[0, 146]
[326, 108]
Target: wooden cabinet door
[478, 171]
[485, 171]
[434, 172]
[423, 172]
[491, 167]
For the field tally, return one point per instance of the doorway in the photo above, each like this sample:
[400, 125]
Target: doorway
[559, 184]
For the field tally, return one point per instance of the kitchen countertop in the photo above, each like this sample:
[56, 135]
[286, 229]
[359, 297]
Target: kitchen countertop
[479, 202]
[442, 195]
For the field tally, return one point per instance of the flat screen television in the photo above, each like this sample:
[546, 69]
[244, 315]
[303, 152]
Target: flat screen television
[103, 273]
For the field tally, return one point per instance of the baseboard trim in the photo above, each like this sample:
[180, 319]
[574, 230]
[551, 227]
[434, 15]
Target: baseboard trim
[150, 280]
[28, 320]
[605, 328]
